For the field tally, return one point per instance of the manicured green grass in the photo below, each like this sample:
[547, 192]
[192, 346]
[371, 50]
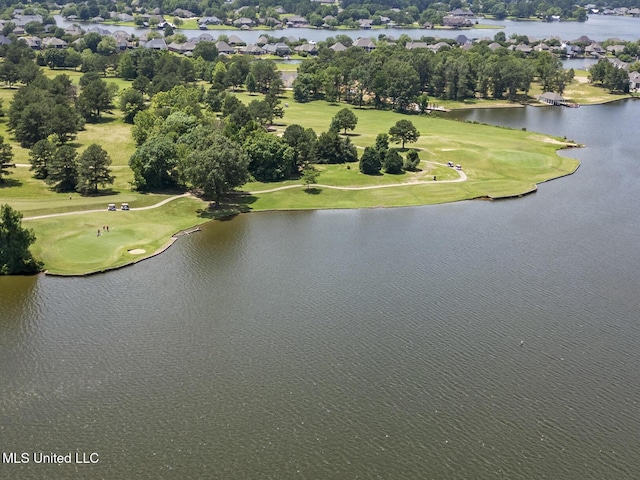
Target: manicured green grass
[70, 245]
[498, 162]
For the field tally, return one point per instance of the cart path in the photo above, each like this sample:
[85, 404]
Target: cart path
[78, 212]
[462, 178]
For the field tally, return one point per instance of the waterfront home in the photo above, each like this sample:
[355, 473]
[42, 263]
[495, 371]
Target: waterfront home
[365, 43]
[338, 47]
[224, 48]
[634, 81]
[297, 21]
[414, 45]
[456, 22]
[209, 21]
[551, 98]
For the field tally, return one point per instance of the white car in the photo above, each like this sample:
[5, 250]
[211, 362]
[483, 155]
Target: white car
[111, 207]
[124, 206]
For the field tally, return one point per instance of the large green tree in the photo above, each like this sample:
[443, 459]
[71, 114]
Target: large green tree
[41, 156]
[332, 148]
[15, 257]
[216, 165]
[95, 98]
[404, 132]
[93, 169]
[270, 157]
[370, 163]
[345, 120]
[63, 170]
[6, 158]
[154, 163]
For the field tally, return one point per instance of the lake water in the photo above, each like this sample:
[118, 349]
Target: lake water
[381, 343]
[598, 27]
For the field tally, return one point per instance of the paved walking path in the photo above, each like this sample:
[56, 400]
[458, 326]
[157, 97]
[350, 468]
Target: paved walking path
[78, 212]
[462, 178]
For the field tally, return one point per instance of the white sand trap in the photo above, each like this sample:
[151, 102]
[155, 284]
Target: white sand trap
[136, 251]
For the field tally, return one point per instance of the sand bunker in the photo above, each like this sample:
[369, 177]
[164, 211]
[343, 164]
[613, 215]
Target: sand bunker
[136, 251]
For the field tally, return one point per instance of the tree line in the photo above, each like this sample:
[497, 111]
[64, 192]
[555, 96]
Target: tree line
[405, 79]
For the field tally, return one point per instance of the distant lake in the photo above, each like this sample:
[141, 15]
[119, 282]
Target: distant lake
[474, 340]
[598, 27]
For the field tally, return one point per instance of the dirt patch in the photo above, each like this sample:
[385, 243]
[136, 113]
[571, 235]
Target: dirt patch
[137, 251]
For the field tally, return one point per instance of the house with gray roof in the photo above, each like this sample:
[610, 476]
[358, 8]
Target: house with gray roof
[156, 44]
[365, 43]
[280, 49]
[634, 81]
[338, 47]
[252, 50]
[551, 98]
[414, 45]
[209, 21]
[224, 48]
[235, 40]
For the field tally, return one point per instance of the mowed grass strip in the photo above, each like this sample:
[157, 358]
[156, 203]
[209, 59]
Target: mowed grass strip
[70, 245]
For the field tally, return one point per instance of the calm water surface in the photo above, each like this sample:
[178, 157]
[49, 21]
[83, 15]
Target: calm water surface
[374, 344]
[598, 27]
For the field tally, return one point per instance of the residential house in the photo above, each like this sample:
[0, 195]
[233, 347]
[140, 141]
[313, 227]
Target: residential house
[156, 44]
[308, 48]
[235, 40]
[338, 47]
[365, 43]
[297, 21]
[551, 98]
[204, 21]
[252, 50]
[634, 81]
[280, 49]
[243, 21]
[53, 42]
[224, 48]
[456, 22]
[414, 45]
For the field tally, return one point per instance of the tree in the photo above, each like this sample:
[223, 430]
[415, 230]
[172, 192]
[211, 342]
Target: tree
[303, 143]
[216, 166]
[95, 98]
[206, 50]
[310, 176]
[331, 148]
[404, 131]
[15, 257]
[93, 169]
[6, 157]
[370, 162]
[154, 163]
[63, 171]
[392, 162]
[412, 160]
[344, 119]
[250, 83]
[41, 155]
[131, 102]
[270, 158]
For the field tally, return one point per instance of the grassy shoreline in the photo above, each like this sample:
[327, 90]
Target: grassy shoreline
[498, 163]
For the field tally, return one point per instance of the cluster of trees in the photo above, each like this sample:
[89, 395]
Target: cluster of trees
[61, 167]
[405, 79]
[44, 107]
[15, 257]
[380, 156]
[609, 76]
[172, 144]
